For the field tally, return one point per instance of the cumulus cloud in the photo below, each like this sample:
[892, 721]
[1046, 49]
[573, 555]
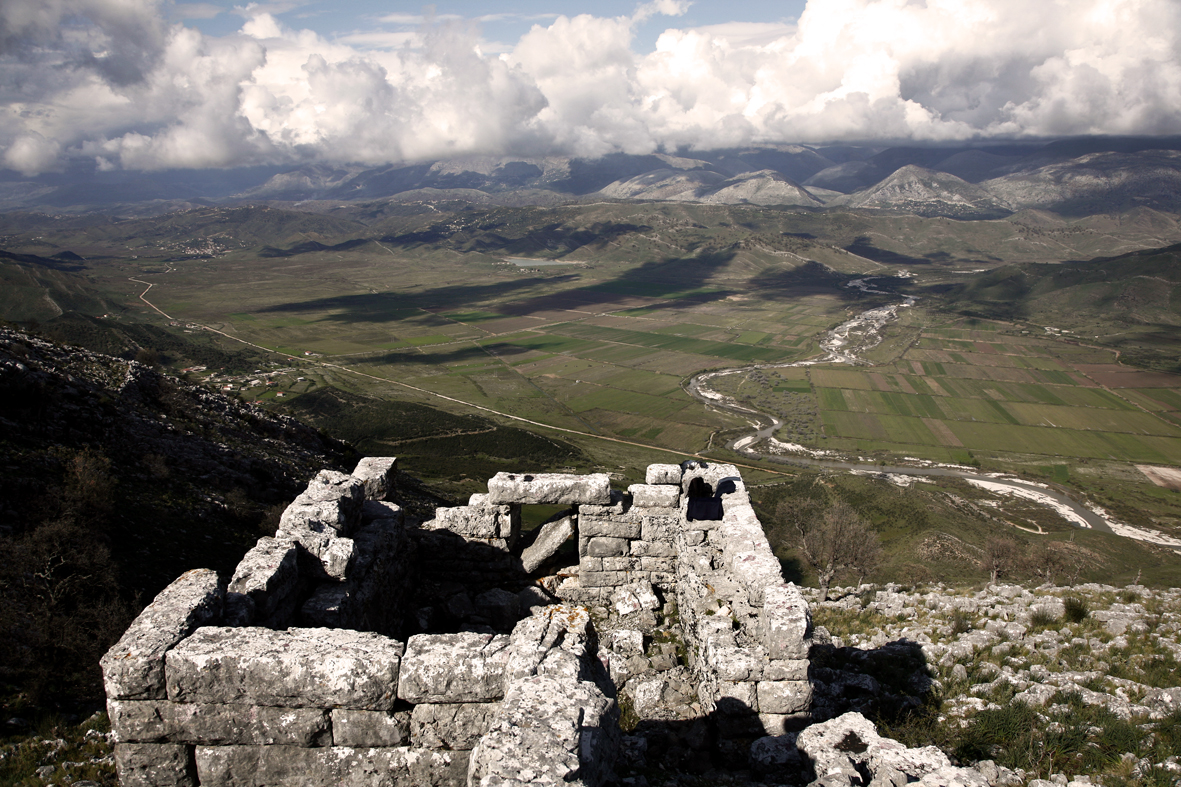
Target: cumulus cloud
[110, 79]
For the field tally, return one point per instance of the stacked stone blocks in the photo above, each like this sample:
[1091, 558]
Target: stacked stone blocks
[199, 695]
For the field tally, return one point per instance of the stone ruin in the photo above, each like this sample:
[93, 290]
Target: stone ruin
[360, 646]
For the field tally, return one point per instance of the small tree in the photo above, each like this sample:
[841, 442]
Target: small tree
[1001, 556]
[831, 540]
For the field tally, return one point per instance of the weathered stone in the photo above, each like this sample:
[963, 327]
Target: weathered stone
[449, 668]
[660, 565]
[134, 667]
[618, 505]
[736, 697]
[154, 765]
[298, 668]
[558, 641]
[326, 607]
[653, 496]
[451, 725]
[784, 696]
[653, 549]
[533, 597]
[734, 664]
[330, 504]
[548, 732]
[370, 728]
[377, 474]
[604, 579]
[254, 766]
[549, 540]
[268, 574]
[785, 623]
[602, 546]
[786, 669]
[161, 721]
[626, 642]
[619, 563]
[775, 755]
[590, 526]
[549, 488]
[470, 521]
[624, 602]
[660, 528]
[500, 607]
[663, 474]
[373, 510]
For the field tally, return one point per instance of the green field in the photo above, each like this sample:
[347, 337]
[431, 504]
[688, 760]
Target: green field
[666, 291]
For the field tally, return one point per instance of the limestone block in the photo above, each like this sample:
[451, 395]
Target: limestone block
[134, 666]
[450, 725]
[533, 597]
[298, 668]
[736, 697]
[733, 663]
[624, 602]
[327, 607]
[588, 563]
[370, 728]
[253, 766]
[756, 571]
[548, 732]
[604, 579]
[786, 669]
[693, 537]
[377, 474]
[571, 592]
[558, 641]
[549, 488]
[603, 546]
[619, 504]
[449, 668]
[500, 607]
[160, 721]
[470, 521]
[662, 565]
[654, 496]
[626, 642]
[373, 510]
[785, 623]
[653, 549]
[663, 474]
[784, 696]
[331, 503]
[775, 754]
[660, 528]
[619, 563]
[267, 574]
[154, 765]
[783, 723]
[549, 540]
[850, 740]
[590, 526]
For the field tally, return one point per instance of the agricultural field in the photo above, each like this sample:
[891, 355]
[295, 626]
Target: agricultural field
[437, 305]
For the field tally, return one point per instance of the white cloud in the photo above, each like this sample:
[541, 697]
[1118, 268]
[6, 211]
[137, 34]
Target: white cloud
[110, 79]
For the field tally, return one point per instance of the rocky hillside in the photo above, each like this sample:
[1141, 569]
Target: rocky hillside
[116, 479]
[1078, 684]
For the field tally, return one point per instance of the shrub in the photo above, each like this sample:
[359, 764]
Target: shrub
[961, 623]
[1076, 610]
[1042, 619]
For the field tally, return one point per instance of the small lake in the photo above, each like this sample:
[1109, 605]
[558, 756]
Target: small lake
[521, 262]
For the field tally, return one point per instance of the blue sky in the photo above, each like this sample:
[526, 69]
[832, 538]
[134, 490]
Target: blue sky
[501, 21]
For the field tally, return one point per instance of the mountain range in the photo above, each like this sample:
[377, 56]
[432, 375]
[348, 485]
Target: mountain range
[1072, 177]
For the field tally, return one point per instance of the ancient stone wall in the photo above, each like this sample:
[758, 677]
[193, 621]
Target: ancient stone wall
[289, 675]
[324, 661]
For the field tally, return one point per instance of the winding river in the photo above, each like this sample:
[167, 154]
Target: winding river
[845, 344]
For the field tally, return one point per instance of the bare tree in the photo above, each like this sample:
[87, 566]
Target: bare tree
[1001, 556]
[831, 540]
